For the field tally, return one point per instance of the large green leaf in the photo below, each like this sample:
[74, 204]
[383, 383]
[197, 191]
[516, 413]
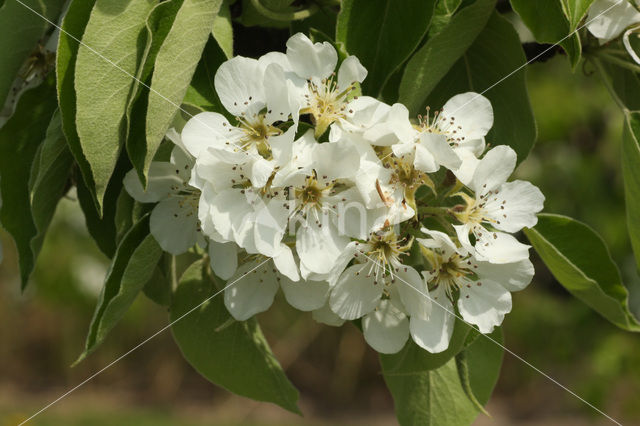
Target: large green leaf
[158, 25]
[174, 66]
[490, 65]
[382, 34]
[437, 396]
[51, 180]
[103, 81]
[131, 268]
[631, 170]
[433, 60]
[234, 355]
[73, 26]
[22, 28]
[19, 141]
[102, 228]
[581, 262]
[576, 10]
[549, 24]
[222, 29]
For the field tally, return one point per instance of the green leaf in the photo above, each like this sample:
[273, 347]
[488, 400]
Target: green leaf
[20, 138]
[623, 84]
[489, 66]
[445, 10]
[399, 28]
[131, 268]
[103, 82]
[437, 396]
[547, 21]
[21, 30]
[174, 67]
[223, 30]
[102, 228]
[158, 25]
[575, 10]
[73, 25]
[51, 180]
[413, 358]
[234, 355]
[201, 92]
[433, 60]
[579, 259]
[631, 172]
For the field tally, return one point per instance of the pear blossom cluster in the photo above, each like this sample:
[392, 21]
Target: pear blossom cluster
[610, 19]
[351, 207]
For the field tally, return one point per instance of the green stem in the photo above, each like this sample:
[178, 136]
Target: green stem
[620, 62]
[435, 211]
[285, 16]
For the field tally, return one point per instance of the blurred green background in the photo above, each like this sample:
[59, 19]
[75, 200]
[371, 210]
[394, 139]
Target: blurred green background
[576, 163]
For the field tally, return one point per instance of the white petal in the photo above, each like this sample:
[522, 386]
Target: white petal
[238, 83]
[514, 206]
[413, 292]
[468, 166]
[174, 224]
[311, 60]
[494, 169]
[319, 247]
[207, 129]
[607, 19]
[282, 146]
[229, 209]
[261, 171]
[471, 113]
[424, 159]
[484, 305]
[462, 232]
[442, 242]
[355, 293]
[286, 264]
[441, 150]
[351, 71]
[325, 315]
[499, 247]
[305, 295]
[224, 258]
[252, 291]
[386, 329]
[434, 333]
[163, 180]
[512, 276]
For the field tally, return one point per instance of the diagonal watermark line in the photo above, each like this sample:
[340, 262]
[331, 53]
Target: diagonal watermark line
[85, 381]
[232, 283]
[428, 296]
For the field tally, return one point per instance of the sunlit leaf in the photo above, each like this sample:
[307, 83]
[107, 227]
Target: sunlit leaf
[103, 81]
[579, 259]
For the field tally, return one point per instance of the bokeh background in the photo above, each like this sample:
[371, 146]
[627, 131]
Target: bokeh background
[576, 163]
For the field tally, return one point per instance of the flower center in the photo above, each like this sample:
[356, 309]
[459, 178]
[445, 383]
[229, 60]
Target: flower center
[452, 273]
[326, 102]
[439, 124]
[256, 134]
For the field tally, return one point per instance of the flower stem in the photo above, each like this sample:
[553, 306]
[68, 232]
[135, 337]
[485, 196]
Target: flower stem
[285, 16]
